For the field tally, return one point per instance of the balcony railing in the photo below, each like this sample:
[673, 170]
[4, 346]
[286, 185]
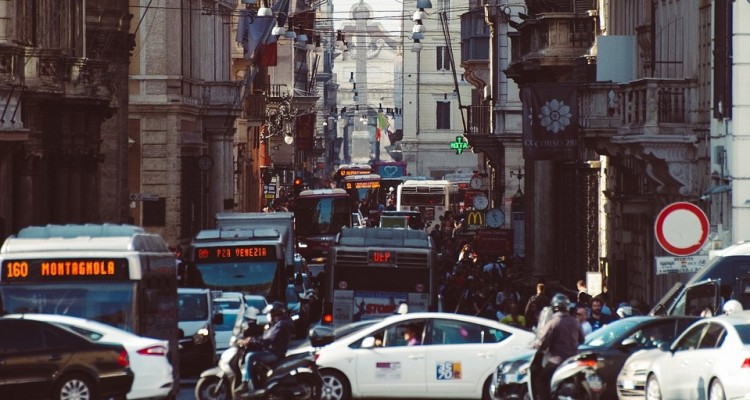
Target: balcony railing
[658, 106]
[478, 119]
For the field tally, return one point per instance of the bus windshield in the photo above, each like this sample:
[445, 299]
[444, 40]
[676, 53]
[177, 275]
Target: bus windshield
[256, 277]
[321, 215]
[110, 303]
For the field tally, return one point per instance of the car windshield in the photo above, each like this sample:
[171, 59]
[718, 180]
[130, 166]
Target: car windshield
[607, 334]
[227, 304]
[345, 330]
[258, 303]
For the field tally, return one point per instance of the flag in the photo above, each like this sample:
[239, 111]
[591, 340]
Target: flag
[254, 33]
[550, 122]
[381, 126]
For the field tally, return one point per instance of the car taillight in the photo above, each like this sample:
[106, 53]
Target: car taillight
[327, 318]
[746, 363]
[123, 360]
[153, 351]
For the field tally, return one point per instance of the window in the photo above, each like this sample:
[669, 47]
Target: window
[691, 339]
[653, 335]
[457, 332]
[443, 114]
[394, 335]
[714, 336]
[442, 58]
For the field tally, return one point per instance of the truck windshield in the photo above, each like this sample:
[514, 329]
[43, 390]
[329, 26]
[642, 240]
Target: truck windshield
[321, 215]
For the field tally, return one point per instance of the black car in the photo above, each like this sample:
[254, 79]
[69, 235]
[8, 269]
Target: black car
[613, 344]
[43, 360]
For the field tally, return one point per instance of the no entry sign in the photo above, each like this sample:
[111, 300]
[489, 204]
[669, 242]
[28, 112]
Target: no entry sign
[681, 228]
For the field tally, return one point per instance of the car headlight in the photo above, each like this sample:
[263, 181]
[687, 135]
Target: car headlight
[524, 368]
[505, 367]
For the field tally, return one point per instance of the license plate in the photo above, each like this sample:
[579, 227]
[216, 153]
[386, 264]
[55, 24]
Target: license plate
[628, 385]
[595, 383]
[512, 378]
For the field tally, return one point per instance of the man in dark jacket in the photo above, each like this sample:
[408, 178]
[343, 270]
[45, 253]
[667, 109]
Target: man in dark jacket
[559, 339]
[273, 343]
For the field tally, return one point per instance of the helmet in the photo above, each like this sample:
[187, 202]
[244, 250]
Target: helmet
[560, 302]
[275, 309]
[731, 307]
[625, 311]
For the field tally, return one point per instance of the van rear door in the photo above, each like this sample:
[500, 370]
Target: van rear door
[703, 296]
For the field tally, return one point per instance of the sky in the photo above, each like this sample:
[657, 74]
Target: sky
[385, 12]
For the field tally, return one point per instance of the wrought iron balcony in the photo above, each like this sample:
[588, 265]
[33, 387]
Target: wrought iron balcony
[478, 119]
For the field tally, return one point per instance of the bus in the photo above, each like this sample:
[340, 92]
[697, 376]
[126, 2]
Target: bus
[319, 215]
[372, 271]
[249, 259]
[116, 274]
[364, 190]
[430, 197]
[348, 170]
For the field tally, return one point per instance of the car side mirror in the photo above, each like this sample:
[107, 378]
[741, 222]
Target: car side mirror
[321, 336]
[665, 346]
[629, 343]
[368, 342]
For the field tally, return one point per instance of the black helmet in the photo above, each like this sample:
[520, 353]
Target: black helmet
[275, 309]
[560, 302]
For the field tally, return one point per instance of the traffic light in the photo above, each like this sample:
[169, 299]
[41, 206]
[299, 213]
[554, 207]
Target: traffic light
[297, 186]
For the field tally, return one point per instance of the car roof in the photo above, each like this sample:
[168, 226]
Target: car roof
[75, 321]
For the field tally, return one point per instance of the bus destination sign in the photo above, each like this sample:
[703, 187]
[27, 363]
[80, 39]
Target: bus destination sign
[350, 172]
[64, 269]
[363, 185]
[235, 253]
[382, 257]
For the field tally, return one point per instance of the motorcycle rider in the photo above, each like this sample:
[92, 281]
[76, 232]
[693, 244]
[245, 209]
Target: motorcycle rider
[558, 339]
[268, 347]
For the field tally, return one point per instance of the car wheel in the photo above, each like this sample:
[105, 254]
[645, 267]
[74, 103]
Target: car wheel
[653, 390]
[487, 390]
[716, 391]
[74, 387]
[335, 386]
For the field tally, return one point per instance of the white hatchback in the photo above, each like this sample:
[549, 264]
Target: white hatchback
[148, 357]
[454, 357]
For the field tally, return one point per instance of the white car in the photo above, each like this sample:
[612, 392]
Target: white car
[454, 357]
[631, 381]
[710, 360]
[225, 330]
[228, 300]
[148, 357]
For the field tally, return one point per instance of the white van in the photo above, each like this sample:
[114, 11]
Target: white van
[197, 317]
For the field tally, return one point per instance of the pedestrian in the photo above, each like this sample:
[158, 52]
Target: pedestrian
[583, 295]
[513, 317]
[597, 319]
[582, 315]
[535, 305]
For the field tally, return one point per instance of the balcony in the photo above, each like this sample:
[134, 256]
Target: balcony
[548, 46]
[660, 107]
[655, 120]
[478, 119]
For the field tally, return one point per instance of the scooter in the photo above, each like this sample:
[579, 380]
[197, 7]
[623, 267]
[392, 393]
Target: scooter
[293, 377]
[576, 379]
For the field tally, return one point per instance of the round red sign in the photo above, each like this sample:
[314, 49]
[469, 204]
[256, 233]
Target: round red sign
[681, 228]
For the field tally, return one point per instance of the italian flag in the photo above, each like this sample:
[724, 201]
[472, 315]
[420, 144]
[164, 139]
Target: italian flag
[382, 125]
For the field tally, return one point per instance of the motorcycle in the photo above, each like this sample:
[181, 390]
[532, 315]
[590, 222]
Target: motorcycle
[293, 377]
[576, 379]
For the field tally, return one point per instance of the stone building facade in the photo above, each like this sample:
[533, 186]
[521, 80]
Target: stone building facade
[63, 128]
